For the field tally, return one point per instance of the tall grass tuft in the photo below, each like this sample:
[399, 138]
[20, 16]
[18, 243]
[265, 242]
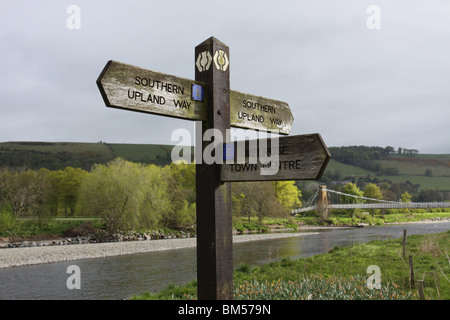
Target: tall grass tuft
[317, 288]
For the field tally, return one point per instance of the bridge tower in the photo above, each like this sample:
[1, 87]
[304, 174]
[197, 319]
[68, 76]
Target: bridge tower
[322, 202]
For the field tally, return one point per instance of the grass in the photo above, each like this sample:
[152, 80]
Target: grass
[317, 288]
[410, 169]
[347, 170]
[416, 168]
[434, 182]
[138, 152]
[30, 227]
[242, 224]
[99, 149]
[11, 226]
[415, 217]
[342, 274]
[391, 216]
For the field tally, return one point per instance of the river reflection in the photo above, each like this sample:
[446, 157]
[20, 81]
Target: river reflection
[122, 276]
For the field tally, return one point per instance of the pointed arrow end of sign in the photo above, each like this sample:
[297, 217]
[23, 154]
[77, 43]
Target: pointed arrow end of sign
[327, 157]
[100, 85]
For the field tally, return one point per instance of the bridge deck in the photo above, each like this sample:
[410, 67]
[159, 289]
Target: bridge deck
[387, 205]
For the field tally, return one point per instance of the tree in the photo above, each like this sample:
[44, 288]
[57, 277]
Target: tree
[244, 197]
[267, 203]
[389, 195]
[429, 195]
[125, 195]
[181, 185]
[69, 185]
[351, 188]
[372, 191]
[156, 201]
[406, 197]
[256, 199]
[428, 173]
[287, 193]
[389, 150]
[24, 192]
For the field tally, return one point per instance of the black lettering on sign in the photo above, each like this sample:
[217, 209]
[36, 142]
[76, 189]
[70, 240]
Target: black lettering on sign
[243, 167]
[182, 104]
[160, 85]
[146, 97]
[250, 117]
[257, 106]
[276, 121]
[284, 165]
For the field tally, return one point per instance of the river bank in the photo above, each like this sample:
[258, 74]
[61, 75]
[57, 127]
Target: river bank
[68, 249]
[341, 274]
[119, 277]
[13, 257]
[29, 252]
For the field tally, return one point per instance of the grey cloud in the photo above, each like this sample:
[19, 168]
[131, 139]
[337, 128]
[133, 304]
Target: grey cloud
[351, 84]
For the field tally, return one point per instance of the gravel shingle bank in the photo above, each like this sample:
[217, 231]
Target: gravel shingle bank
[13, 257]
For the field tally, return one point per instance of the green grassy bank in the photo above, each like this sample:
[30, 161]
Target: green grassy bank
[243, 224]
[343, 274]
[27, 227]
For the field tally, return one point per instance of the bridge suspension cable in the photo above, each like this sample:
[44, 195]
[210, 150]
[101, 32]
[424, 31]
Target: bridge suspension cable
[358, 197]
[312, 205]
[308, 205]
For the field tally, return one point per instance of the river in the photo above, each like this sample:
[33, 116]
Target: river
[120, 277]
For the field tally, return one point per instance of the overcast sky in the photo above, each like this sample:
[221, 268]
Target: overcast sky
[354, 81]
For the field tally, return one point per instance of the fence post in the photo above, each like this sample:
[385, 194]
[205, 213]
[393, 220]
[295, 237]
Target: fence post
[420, 289]
[411, 272]
[404, 243]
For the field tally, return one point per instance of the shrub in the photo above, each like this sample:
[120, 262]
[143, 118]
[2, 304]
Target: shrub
[8, 222]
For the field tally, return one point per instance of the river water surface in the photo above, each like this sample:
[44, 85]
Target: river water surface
[120, 277]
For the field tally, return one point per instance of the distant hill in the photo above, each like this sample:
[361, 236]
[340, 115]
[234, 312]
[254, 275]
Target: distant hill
[425, 170]
[58, 155]
[145, 153]
[346, 164]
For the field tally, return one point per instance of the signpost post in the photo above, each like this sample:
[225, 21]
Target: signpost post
[214, 221]
[209, 101]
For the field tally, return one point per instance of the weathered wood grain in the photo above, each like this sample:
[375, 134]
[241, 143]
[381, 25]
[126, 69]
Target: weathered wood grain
[214, 220]
[128, 87]
[259, 113]
[302, 157]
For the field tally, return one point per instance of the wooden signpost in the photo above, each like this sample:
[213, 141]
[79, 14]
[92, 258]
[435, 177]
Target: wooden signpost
[132, 88]
[209, 101]
[259, 113]
[214, 221]
[303, 157]
[128, 87]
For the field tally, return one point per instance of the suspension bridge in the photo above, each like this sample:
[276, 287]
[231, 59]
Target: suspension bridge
[325, 199]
